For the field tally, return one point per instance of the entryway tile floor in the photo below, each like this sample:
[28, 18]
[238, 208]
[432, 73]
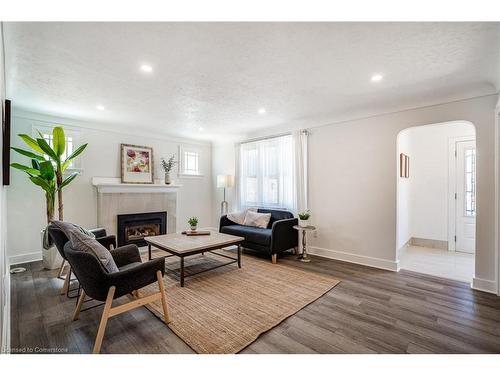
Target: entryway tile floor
[448, 264]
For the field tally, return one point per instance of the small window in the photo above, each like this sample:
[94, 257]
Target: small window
[190, 162]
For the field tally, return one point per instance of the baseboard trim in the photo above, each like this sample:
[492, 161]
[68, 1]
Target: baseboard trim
[484, 285]
[355, 258]
[25, 258]
[425, 242]
[5, 344]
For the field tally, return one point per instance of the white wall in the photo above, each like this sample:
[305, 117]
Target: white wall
[497, 170]
[101, 158]
[353, 169]
[404, 193]
[427, 202]
[223, 162]
[4, 267]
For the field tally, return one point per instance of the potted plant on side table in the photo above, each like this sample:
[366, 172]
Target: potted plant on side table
[47, 171]
[304, 217]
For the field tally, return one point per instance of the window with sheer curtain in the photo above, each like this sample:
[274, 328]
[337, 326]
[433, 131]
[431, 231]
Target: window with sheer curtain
[266, 173]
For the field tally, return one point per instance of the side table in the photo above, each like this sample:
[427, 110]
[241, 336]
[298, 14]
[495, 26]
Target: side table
[303, 257]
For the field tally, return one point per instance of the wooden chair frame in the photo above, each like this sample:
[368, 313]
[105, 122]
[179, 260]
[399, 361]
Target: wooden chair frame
[67, 278]
[110, 311]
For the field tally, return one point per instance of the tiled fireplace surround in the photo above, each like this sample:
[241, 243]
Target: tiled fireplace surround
[115, 198]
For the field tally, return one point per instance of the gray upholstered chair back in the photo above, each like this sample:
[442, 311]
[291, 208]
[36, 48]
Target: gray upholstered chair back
[89, 271]
[59, 239]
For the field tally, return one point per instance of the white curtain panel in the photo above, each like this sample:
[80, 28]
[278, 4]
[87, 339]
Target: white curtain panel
[300, 144]
[237, 184]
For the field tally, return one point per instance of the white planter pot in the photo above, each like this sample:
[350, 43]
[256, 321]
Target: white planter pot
[51, 259]
[304, 223]
[193, 228]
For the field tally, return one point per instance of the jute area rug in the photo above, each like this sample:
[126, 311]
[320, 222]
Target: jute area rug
[225, 310]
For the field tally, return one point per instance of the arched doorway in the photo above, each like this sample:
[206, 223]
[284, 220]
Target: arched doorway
[436, 190]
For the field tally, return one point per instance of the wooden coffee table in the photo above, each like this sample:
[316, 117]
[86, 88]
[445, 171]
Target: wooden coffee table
[182, 246]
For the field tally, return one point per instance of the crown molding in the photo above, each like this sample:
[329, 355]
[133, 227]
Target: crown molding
[109, 128]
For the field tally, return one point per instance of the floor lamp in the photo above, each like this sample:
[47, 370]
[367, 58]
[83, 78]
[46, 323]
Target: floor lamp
[224, 181]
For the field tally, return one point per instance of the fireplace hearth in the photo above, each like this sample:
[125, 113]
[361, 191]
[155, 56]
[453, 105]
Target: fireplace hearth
[132, 228]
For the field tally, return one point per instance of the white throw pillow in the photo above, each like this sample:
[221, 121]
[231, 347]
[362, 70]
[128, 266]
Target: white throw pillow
[239, 217]
[256, 219]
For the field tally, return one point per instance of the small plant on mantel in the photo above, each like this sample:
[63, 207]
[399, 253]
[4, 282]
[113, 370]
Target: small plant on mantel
[167, 167]
[193, 222]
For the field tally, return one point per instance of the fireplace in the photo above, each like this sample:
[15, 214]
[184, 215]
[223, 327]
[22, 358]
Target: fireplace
[132, 228]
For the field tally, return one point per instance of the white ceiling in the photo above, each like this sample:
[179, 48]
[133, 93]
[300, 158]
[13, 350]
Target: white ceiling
[217, 75]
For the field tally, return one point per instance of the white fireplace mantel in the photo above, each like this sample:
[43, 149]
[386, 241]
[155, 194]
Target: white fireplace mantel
[114, 185]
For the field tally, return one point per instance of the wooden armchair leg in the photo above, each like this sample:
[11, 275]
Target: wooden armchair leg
[109, 311]
[67, 280]
[104, 320]
[61, 269]
[161, 286]
[296, 250]
[274, 258]
[76, 314]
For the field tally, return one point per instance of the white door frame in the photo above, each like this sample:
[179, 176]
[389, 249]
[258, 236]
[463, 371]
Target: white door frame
[452, 183]
[497, 192]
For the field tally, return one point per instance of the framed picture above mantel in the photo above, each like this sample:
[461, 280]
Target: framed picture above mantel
[137, 164]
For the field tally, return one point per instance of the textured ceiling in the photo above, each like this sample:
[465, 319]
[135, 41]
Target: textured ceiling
[217, 75]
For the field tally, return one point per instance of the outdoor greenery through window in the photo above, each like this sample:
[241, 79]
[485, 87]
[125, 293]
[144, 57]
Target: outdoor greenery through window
[266, 173]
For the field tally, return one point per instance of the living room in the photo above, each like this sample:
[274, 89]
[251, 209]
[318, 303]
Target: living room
[236, 187]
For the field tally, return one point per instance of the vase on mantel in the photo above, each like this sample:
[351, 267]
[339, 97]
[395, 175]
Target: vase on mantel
[168, 180]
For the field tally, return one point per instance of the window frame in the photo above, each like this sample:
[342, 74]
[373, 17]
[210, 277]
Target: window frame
[182, 162]
[470, 152]
[261, 175]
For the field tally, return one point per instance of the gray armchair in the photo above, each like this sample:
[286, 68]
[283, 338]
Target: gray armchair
[101, 285]
[60, 239]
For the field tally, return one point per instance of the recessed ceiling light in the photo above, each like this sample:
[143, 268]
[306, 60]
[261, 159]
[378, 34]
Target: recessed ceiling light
[100, 107]
[200, 129]
[261, 111]
[146, 68]
[377, 77]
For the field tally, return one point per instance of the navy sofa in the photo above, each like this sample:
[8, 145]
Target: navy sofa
[279, 235]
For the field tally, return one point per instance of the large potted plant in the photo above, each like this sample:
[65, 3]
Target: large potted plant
[47, 171]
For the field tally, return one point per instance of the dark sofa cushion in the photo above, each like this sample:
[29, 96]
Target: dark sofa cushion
[275, 215]
[261, 236]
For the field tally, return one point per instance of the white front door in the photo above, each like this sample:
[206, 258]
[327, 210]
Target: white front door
[465, 211]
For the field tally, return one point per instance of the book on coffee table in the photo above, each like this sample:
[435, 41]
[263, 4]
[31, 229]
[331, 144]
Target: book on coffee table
[196, 233]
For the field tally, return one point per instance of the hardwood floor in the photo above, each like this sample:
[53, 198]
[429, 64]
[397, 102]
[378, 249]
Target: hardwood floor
[370, 311]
